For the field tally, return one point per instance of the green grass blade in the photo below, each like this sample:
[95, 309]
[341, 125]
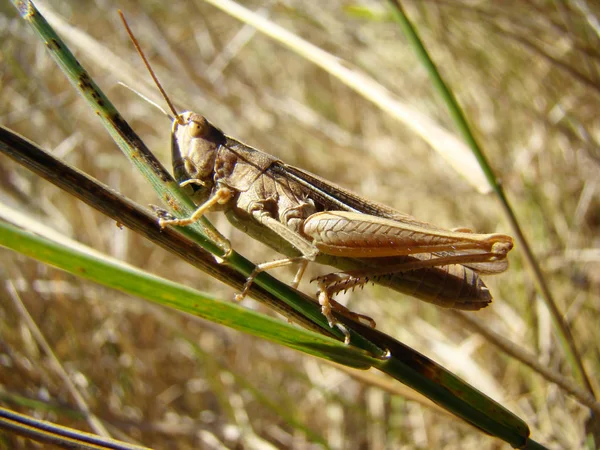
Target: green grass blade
[133, 281]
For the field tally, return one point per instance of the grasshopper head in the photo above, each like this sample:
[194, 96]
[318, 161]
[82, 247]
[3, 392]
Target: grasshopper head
[194, 145]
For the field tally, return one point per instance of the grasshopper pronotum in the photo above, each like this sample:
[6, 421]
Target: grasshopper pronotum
[308, 218]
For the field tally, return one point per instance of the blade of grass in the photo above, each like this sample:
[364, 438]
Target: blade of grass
[130, 280]
[442, 385]
[51, 433]
[560, 326]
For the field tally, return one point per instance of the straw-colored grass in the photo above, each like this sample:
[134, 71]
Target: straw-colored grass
[527, 77]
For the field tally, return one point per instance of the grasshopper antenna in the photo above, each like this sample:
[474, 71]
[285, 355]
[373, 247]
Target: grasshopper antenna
[147, 64]
[146, 99]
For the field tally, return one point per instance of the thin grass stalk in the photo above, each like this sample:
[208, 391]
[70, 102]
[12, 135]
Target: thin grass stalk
[569, 385]
[51, 433]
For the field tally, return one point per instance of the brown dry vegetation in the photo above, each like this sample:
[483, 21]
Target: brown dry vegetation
[527, 75]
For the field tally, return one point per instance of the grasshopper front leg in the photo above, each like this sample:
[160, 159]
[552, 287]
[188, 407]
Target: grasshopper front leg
[284, 226]
[221, 197]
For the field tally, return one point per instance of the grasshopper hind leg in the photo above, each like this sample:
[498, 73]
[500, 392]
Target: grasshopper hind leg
[328, 305]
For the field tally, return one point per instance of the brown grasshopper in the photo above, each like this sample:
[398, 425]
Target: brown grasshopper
[308, 218]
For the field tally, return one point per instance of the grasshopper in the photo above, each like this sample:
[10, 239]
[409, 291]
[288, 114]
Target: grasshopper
[309, 219]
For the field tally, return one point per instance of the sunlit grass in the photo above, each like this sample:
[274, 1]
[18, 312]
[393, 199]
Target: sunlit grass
[537, 122]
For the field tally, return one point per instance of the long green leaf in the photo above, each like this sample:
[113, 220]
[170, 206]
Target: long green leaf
[134, 281]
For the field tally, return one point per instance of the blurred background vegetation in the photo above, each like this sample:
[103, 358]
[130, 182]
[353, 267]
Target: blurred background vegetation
[527, 75]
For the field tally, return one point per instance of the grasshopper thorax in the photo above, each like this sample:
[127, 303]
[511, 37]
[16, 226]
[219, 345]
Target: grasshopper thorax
[194, 146]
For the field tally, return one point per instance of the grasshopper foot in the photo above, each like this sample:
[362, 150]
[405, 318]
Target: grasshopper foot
[221, 197]
[325, 303]
[328, 305]
[165, 217]
[242, 295]
[161, 213]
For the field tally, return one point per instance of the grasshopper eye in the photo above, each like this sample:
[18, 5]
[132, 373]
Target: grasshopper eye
[195, 129]
[196, 126]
